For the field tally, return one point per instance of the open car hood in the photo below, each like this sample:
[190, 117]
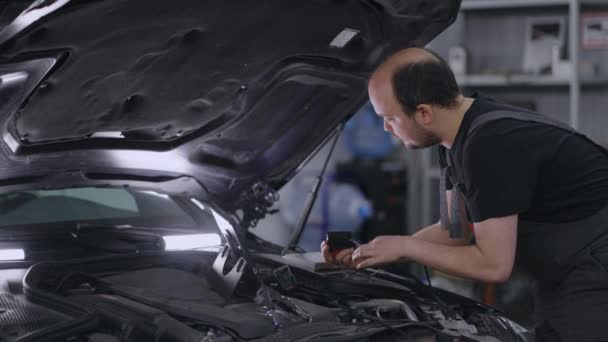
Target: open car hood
[232, 94]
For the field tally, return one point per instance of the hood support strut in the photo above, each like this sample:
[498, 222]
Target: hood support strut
[312, 196]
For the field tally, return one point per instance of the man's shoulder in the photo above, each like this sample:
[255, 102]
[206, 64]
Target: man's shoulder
[503, 130]
[482, 117]
[502, 138]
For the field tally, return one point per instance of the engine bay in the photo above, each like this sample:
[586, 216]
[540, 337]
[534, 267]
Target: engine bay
[169, 296]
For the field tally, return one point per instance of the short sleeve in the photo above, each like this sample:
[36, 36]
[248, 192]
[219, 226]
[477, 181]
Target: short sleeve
[500, 177]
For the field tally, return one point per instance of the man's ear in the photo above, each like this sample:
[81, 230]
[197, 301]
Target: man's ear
[424, 114]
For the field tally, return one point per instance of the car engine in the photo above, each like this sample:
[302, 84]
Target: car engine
[169, 297]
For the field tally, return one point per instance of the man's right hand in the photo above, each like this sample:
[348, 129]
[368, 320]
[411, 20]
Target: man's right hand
[344, 258]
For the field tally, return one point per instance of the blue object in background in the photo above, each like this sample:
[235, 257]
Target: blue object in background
[340, 207]
[348, 208]
[364, 134]
[343, 208]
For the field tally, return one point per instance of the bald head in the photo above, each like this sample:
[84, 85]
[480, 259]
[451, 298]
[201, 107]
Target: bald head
[401, 58]
[415, 76]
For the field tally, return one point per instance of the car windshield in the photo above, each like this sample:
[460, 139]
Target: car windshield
[112, 206]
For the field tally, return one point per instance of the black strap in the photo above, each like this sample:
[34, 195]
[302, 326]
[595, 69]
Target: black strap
[444, 219]
[527, 116]
[523, 116]
[456, 221]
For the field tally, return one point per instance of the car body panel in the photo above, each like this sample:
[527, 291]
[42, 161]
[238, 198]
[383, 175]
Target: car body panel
[226, 92]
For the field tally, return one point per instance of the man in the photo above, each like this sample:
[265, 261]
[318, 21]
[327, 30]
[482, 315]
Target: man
[535, 191]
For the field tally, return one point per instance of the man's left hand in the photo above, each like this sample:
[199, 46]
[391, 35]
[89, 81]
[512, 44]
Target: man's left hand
[381, 250]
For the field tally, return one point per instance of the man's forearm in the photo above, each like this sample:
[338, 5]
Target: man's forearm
[434, 233]
[463, 261]
[490, 259]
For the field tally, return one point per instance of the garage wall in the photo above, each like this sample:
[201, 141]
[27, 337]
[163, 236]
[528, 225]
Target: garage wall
[494, 41]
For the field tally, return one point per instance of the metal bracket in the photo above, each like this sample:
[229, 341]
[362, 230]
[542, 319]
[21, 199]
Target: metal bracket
[225, 284]
[256, 202]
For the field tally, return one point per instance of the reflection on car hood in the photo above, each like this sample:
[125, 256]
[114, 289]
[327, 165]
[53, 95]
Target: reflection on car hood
[229, 93]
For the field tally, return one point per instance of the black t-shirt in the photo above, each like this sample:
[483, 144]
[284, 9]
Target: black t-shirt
[541, 172]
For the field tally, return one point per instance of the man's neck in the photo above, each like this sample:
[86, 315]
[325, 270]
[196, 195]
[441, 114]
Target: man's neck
[453, 121]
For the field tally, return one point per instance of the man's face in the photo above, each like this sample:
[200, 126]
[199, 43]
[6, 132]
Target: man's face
[396, 122]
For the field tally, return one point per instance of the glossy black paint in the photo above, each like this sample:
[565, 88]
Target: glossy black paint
[230, 93]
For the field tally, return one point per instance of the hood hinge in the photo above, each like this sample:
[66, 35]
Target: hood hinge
[255, 204]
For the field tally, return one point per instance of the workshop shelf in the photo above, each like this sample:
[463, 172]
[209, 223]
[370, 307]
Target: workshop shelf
[505, 4]
[512, 80]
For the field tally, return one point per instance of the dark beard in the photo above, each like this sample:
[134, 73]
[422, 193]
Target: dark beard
[426, 138]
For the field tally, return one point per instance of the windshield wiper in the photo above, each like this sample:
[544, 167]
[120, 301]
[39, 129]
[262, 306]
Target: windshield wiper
[312, 197]
[124, 240]
[132, 228]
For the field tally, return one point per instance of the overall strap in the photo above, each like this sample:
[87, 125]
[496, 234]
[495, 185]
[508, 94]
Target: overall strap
[455, 222]
[517, 115]
[531, 117]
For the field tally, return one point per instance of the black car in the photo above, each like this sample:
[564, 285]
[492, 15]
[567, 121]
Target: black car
[128, 125]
